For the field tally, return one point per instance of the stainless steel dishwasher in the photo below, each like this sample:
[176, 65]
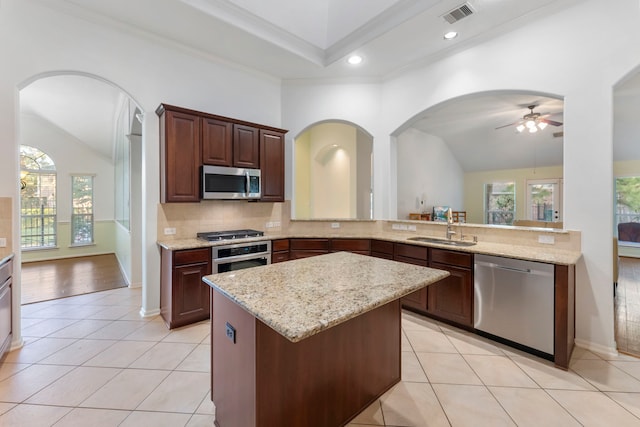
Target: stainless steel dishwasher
[514, 300]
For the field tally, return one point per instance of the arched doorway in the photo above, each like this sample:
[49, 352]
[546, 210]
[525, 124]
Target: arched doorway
[89, 125]
[333, 172]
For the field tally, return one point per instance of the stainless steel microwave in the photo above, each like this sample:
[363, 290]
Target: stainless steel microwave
[220, 182]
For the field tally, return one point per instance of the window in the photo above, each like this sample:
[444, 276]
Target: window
[500, 203]
[37, 199]
[81, 209]
[627, 207]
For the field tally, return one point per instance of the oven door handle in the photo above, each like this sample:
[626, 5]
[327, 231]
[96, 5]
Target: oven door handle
[241, 257]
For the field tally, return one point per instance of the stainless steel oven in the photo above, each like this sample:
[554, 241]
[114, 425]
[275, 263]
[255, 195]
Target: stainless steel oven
[241, 255]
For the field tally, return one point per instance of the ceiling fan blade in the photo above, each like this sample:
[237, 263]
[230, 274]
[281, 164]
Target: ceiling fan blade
[551, 122]
[510, 124]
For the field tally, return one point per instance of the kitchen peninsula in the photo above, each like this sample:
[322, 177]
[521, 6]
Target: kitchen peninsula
[308, 342]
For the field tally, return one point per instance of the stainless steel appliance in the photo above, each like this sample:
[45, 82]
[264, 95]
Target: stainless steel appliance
[237, 256]
[514, 300]
[220, 182]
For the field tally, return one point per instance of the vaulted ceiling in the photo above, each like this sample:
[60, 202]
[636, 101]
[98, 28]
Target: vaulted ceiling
[301, 39]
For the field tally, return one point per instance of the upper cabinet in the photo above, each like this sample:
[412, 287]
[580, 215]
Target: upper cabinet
[180, 156]
[272, 165]
[190, 139]
[246, 147]
[217, 140]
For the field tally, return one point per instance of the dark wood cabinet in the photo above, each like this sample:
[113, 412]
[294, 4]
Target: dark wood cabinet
[358, 246]
[272, 165]
[451, 299]
[184, 297]
[246, 146]
[417, 255]
[279, 250]
[303, 248]
[180, 156]
[382, 249]
[217, 142]
[190, 139]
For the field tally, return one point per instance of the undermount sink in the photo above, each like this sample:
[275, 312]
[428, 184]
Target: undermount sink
[442, 241]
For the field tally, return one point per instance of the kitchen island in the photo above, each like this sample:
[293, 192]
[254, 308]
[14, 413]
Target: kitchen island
[310, 342]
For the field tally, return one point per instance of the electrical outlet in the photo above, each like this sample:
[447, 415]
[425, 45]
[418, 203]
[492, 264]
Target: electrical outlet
[335, 225]
[395, 226]
[269, 225]
[276, 223]
[169, 231]
[3, 242]
[230, 331]
[412, 228]
[547, 240]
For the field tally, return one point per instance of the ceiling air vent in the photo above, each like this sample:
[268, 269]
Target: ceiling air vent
[458, 13]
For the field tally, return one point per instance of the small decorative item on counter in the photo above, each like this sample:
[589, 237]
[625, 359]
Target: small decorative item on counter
[440, 213]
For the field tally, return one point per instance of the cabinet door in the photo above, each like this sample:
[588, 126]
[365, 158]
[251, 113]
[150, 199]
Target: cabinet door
[180, 157]
[417, 299]
[217, 142]
[246, 148]
[451, 298]
[190, 295]
[272, 165]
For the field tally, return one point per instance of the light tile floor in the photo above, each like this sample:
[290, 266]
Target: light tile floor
[91, 360]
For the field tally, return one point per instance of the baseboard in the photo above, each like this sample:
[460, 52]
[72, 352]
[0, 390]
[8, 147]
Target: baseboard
[596, 348]
[149, 313]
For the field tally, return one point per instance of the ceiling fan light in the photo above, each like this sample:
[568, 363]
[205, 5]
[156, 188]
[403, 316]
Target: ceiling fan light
[530, 124]
[533, 129]
[542, 125]
[520, 127]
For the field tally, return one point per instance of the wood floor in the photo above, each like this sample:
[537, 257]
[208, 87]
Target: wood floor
[627, 307]
[47, 280]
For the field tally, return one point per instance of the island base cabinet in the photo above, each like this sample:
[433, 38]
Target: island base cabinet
[263, 379]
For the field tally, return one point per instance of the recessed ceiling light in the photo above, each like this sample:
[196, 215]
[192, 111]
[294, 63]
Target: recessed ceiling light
[450, 35]
[354, 59]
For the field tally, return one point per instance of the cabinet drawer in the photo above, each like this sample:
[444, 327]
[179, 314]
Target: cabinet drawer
[410, 251]
[360, 245]
[279, 257]
[280, 245]
[192, 256]
[6, 271]
[309, 244]
[400, 258]
[459, 259]
[305, 254]
[382, 246]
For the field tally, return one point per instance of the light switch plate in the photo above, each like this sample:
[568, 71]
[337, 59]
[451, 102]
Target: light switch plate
[169, 231]
[335, 225]
[3, 242]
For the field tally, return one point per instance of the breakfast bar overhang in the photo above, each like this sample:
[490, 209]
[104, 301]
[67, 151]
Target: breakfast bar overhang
[309, 342]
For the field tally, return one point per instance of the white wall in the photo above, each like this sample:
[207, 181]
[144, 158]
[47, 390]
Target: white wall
[39, 41]
[594, 46]
[429, 176]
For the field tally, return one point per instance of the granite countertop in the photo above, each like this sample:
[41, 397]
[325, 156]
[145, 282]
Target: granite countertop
[302, 297]
[549, 254]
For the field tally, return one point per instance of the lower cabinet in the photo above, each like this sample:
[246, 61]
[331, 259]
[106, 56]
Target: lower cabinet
[417, 255]
[6, 273]
[357, 246]
[184, 297]
[452, 298]
[303, 248]
[279, 250]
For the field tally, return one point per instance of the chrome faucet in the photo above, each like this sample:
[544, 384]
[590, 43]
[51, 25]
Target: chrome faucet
[450, 232]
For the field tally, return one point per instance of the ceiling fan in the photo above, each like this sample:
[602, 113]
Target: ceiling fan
[532, 122]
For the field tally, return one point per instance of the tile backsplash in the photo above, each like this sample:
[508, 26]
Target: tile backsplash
[216, 215]
[6, 214]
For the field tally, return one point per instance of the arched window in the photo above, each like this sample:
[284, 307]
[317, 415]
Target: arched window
[38, 199]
